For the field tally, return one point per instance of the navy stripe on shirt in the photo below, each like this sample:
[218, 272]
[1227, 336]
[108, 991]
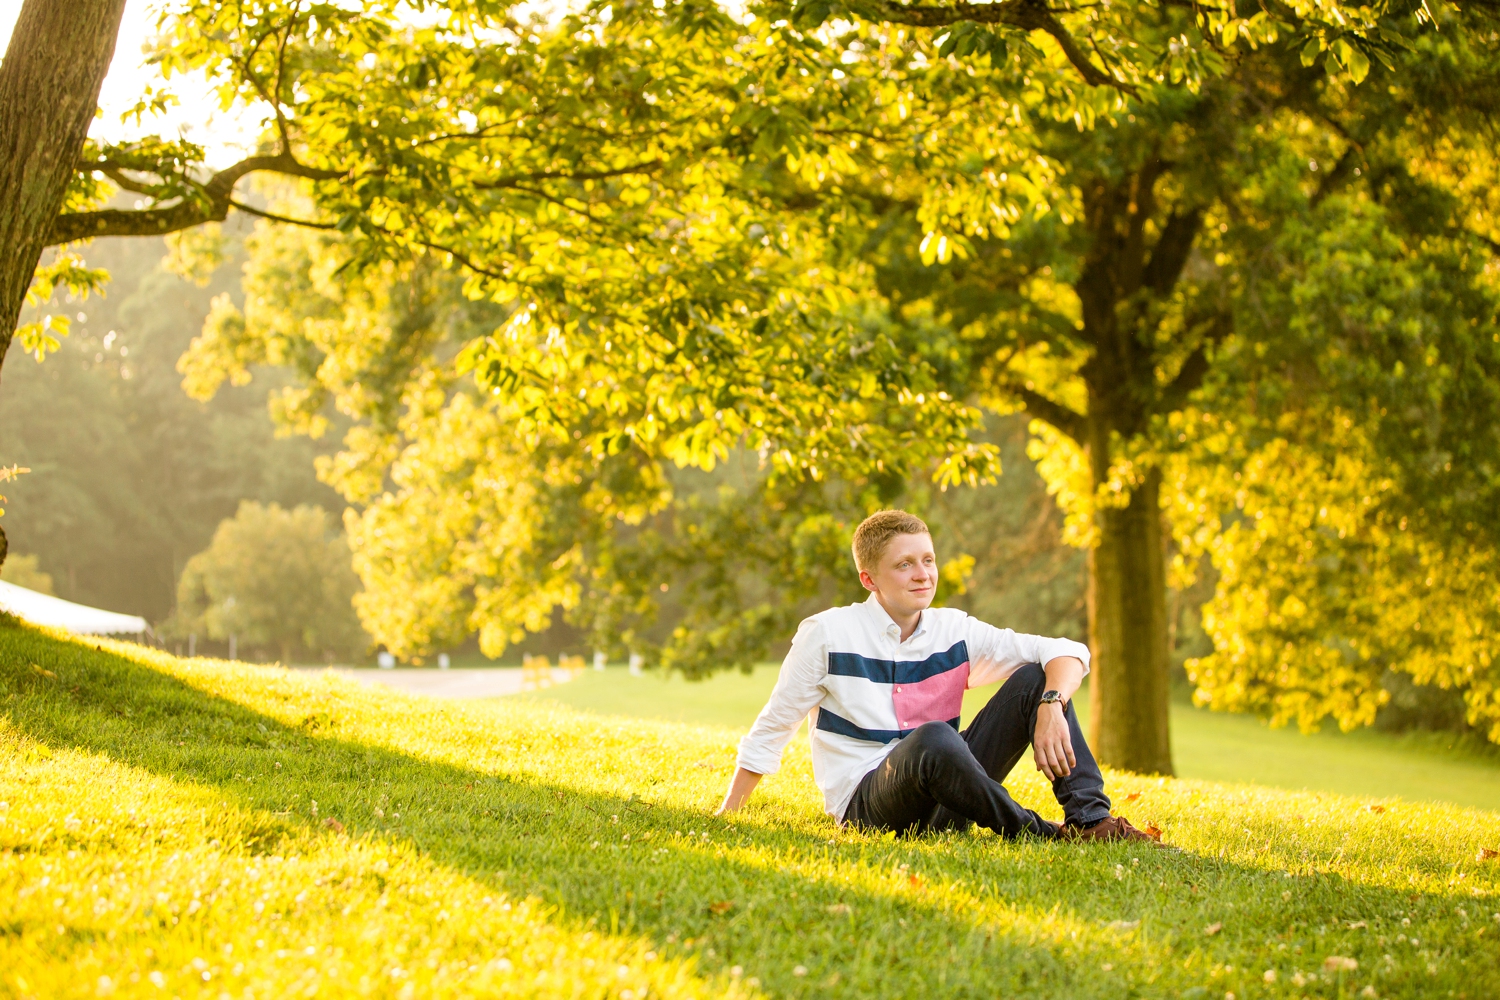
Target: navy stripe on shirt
[898, 671]
[831, 723]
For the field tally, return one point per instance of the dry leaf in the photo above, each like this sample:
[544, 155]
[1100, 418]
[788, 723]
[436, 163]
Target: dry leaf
[1377, 809]
[916, 881]
[720, 908]
[1486, 854]
[1132, 796]
[334, 825]
[43, 671]
[1212, 929]
[1153, 831]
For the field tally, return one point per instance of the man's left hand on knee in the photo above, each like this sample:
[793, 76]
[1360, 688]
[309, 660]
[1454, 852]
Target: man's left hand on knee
[1052, 743]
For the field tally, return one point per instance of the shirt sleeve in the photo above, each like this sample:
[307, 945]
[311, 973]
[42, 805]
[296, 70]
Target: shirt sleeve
[799, 689]
[996, 653]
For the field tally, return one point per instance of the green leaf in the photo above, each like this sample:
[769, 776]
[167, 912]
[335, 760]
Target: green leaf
[1310, 51]
[811, 15]
[1359, 65]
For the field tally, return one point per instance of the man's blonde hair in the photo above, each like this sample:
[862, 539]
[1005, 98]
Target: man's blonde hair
[876, 531]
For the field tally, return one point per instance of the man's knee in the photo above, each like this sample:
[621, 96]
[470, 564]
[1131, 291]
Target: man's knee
[1032, 675]
[937, 738]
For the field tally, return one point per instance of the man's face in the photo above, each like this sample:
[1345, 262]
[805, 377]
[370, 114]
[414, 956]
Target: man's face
[907, 576]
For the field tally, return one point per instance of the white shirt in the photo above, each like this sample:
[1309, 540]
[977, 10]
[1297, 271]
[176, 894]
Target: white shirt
[871, 689]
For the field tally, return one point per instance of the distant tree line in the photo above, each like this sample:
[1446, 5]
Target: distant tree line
[130, 477]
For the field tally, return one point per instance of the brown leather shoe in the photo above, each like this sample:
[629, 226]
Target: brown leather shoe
[1112, 828]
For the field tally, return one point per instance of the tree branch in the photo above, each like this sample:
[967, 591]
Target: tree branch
[644, 167]
[273, 217]
[1071, 423]
[125, 183]
[1333, 179]
[1170, 254]
[1493, 244]
[218, 196]
[1028, 15]
[1190, 376]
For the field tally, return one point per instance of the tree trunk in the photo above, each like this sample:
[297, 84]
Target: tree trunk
[49, 89]
[1128, 633]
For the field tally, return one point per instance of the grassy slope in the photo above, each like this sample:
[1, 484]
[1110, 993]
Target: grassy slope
[1206, 745]
[168, 821]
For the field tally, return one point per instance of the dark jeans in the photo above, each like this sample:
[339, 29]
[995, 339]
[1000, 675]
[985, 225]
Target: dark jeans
[940, 779]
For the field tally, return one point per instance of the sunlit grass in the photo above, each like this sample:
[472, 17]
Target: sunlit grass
[195, 828]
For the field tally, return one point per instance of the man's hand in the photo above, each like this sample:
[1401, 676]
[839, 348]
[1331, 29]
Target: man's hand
[1052, 744]
[740, 787]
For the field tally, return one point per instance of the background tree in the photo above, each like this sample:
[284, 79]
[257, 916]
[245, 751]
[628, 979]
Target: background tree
[23, 571]
[274, 578]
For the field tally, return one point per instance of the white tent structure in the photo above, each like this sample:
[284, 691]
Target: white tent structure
[44, 609]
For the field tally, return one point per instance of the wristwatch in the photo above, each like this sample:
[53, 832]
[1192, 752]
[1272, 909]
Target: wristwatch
[1053, 698]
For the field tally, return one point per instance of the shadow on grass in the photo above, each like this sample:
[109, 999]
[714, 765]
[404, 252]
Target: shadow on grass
[1026, 919]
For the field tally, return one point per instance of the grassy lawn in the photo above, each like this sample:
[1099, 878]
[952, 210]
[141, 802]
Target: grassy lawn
[177, 828]
[1207, 745]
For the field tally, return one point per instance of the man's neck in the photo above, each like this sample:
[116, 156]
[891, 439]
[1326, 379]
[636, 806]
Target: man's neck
[907, 623]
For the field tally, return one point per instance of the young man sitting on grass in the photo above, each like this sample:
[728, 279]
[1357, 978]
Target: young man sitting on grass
[887, 678]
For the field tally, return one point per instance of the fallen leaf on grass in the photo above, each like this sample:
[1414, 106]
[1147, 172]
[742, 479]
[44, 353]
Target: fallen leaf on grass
[1153, 831]
[1212, 929]
[1132, 796]
[1340, 963]
[916, 881]
[720, 908]
[1377, 809]
[334, 825]
[1485, 854]
[43, 671]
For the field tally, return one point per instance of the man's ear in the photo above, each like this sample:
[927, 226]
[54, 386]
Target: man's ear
[867, 580]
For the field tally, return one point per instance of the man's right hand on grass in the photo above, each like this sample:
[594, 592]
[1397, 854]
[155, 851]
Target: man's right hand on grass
[740, 787]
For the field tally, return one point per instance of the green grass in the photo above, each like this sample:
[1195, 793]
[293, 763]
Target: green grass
[1207, 745]
[202, 829]
[729, 699]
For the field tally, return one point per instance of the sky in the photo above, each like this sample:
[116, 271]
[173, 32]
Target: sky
[225, 137]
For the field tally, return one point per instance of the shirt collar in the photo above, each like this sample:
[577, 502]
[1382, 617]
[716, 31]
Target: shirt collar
[885, 623]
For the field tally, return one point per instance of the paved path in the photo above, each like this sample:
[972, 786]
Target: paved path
[461, 682]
